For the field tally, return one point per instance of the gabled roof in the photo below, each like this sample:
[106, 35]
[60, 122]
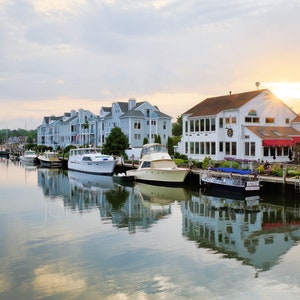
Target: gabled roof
[106, 109]
[214, 105]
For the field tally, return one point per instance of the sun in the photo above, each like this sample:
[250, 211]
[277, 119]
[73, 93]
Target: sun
[289, 92]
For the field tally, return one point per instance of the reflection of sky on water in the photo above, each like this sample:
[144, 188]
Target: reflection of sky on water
[57, 243]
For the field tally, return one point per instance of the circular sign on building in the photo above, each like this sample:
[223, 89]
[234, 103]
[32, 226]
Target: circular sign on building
[229, 132]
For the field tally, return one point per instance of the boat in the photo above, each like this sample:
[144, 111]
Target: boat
[231, 180]
[157, 166]
[123, 179]
[50, 159]
[91, 160]
[29, 156]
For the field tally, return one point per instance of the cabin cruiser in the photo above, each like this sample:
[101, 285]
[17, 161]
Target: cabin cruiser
[157, 166]
[91, 160]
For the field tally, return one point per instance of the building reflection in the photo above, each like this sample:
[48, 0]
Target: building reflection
[246, 229]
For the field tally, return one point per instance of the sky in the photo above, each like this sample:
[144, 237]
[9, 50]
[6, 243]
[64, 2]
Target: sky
[59, 55]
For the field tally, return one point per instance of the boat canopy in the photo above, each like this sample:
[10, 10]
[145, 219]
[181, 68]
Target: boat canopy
[153, 148]
[232, 170]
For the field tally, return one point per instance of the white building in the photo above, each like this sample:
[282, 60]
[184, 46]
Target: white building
[137, 120]
[248, 126]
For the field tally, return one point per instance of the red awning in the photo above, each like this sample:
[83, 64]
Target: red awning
[296, 139]
[277, 143]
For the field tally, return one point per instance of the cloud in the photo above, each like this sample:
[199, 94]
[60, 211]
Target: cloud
[133, 48]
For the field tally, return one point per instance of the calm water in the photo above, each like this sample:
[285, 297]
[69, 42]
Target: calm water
[73, 236]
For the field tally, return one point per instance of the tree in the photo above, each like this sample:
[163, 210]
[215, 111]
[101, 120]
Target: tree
[177, 127]
[170, 146]
[157, 139]
[116, 142]
[145, 141]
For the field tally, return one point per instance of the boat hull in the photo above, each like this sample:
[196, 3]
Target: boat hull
[29, 160]
[50, 163]
[249, 187]
[105, 167]
[163, 176]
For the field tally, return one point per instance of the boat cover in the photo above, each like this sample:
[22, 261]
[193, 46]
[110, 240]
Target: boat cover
[232, 170]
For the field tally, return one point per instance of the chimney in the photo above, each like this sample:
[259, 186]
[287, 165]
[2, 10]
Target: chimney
[131, 103]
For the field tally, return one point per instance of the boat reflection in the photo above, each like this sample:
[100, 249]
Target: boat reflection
[85, 181]
[161, 194]
[123, 206]
[238, 228]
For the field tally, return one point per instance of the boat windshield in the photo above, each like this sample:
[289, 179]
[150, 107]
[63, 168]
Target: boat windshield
[82, 151]
[153, 148]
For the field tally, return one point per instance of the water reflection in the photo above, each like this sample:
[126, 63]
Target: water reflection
[64, 237]
[124, 206]
[246, 228]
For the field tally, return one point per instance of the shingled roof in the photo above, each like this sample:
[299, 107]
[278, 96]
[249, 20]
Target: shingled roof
[214, 105]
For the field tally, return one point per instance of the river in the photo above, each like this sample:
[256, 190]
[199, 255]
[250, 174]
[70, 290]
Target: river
[68, 235]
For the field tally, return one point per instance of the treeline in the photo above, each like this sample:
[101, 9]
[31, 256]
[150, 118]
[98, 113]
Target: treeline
[5, 134]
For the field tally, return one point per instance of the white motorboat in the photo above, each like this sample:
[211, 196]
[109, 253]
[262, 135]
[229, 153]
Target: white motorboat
[231, 180]
[91, 160]
[50, 159]
[29, 156]
[158, 167]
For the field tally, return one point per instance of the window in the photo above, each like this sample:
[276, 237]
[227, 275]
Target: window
[233, 148]
[213, 124]
[287, 121]
[137, 124]
[227, 120]
[201, 147]
[207, 124]
[221, 123]
[197, 125]
[146, 164]
[207, 146]
[270, 120]
[196, 148]
[153, 122]
[192, 150]
[221, 147]
[137, 136]
[192, 129]
[233, 120]
[213, 148]
[202, 125]
[164, 125]
[250, 148]
[251, 119]
[227, 148]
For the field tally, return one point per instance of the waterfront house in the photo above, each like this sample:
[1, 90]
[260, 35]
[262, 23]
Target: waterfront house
[137, 120]
[249, 126]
